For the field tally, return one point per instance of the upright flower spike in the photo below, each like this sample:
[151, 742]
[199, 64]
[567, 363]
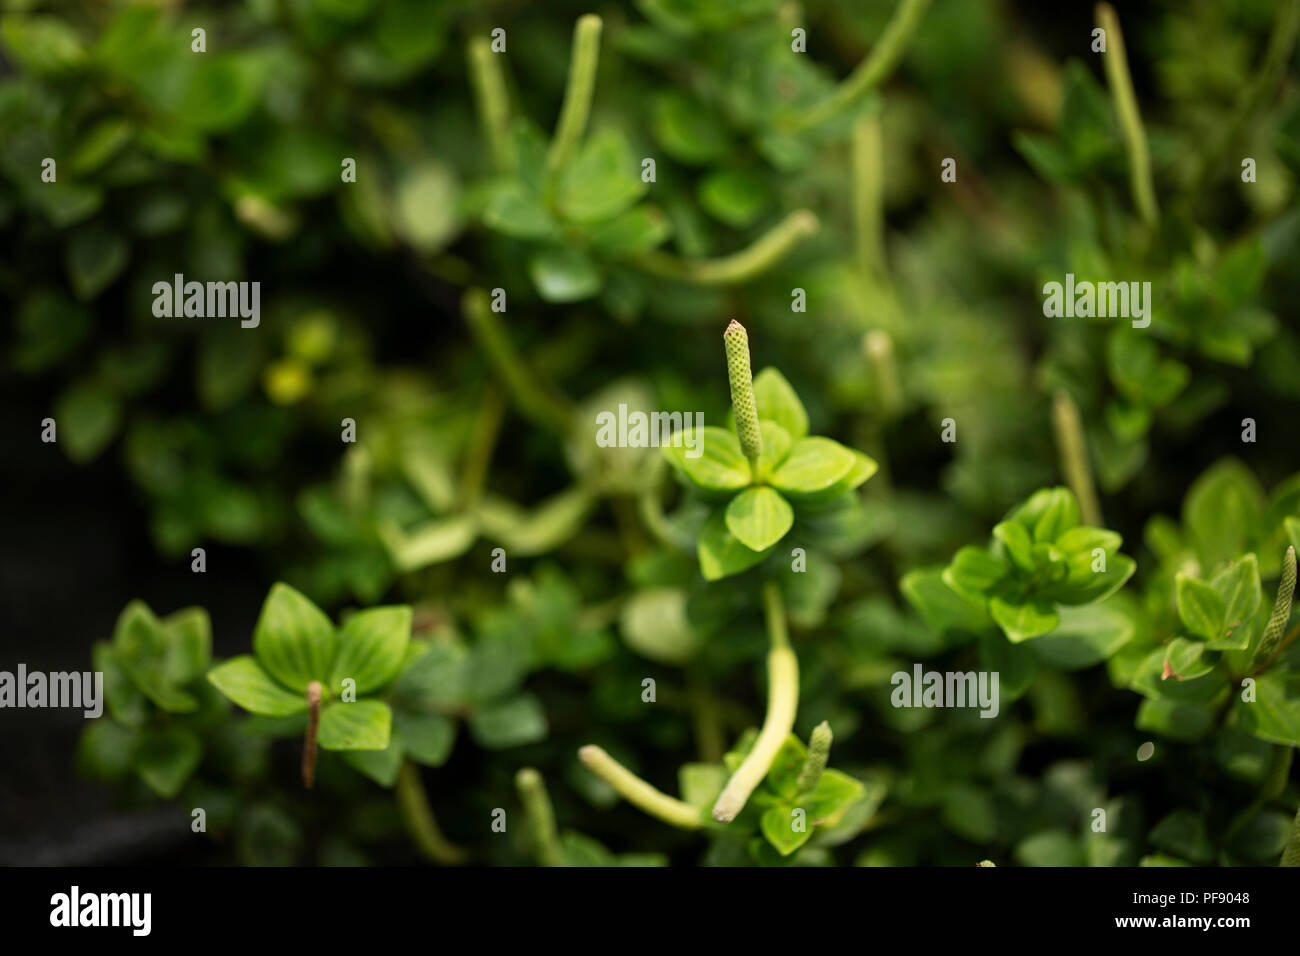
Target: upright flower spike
[1277, 621]
[736, 341]
[819, 752]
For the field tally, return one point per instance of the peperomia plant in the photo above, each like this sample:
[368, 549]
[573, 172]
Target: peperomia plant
[763, 471]
[302, 664]
[159, 706]
[1040, 560]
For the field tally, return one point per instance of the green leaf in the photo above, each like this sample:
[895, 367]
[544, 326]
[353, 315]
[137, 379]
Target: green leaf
[1184, 834]
[1174, 719]
[721, 554]
[688, 130]
[813, 466]
[1085, 636]
[777, 401]
[1016, 543]
[734, 197]
[700, 783]
[360, 725]
[1239, 587]
[945, 610]
[974, 571]
[188, 646]
[831, 798]
[294, 641]
[543, 528]
[371, 646]
[87, 417]
[42, 44]
[1048, 513]
[516, 211]
[167, 758]
[1222, 512]
[563, 274]
[511, 722]
[631, 233]
[759, 517]
[720, 467]
[783, 775]
[1274, 714]
[427, 738]
[433, 542]
[1200, 607]
[1020, 622]
[602, 180]
[426, 205]
[243, 681]
[96, 256]
[104, 140]
[776, 446]
[381, 766]
[654, 623]
[778, 826]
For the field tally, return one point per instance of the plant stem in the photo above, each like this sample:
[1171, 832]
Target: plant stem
[541, 817]
[309, 740]
[637, 792]
[868, 195]
[1130, 119]
[1074, 457]
[416, 812]
[879, 349]
[875, 68]
[705, 716]
[487, 425]
[577, 94]
[1277, 622]
[735, 341]
[782, 700]
[529, 395]
[488, 80]
[740, 266]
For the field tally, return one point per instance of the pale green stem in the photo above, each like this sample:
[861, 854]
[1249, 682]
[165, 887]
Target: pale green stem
[541, 817]
[489, 83]
[529, 395]
[478, 456]
[735, 340]
[868, 195]
[637, 792]
[782, 700]
[356, 480]
[419, 819]
[819, 753]
[1130, 120]
[875, 68]
[879, 349]
[577, 95]
[1277, 621]
[1074, 457]
[740, 266]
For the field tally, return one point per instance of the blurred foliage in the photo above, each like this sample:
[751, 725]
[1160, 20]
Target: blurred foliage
[482, 288]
